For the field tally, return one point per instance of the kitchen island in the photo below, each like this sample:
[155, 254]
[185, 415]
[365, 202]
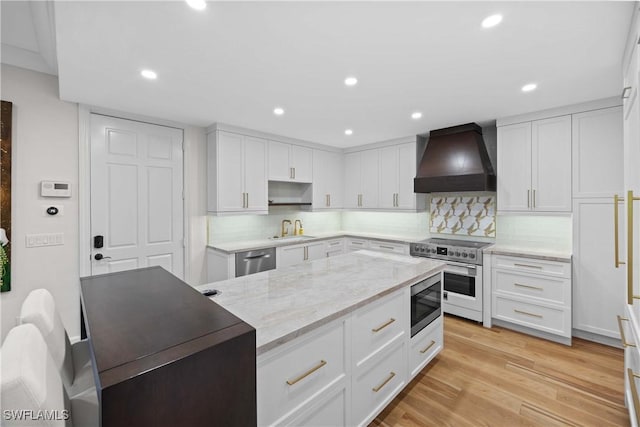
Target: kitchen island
[333, 335]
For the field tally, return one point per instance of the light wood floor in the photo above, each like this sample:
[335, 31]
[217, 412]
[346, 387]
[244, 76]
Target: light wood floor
[497, 377]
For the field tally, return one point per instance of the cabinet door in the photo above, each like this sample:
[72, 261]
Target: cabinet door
[335, 179]
[597, 150]
[230, 176]
[255, 173]
[406, 198]
[514, 167]
[321, 179]
[388, 176]
[551, 164]
[279, 162]
[316, 250]
[598, 287]
[352, 167]
[370, 170]
[289, 255]
[302, 163]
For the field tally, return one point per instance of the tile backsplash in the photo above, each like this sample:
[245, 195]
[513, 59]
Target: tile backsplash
[471, 215]
[536, 232]
[405, 224]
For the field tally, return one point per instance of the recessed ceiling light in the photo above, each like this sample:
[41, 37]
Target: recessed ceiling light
[417, 115]
[348, 132]
[149, 74]
[529, 87]
[491, 21]
[197, 4]
[350, 81]
[278, 111]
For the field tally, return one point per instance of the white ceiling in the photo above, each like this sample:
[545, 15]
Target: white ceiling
[236, 61]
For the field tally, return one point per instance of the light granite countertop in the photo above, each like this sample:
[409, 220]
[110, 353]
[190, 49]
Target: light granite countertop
[529, 252]
[250, 245]
[285, 303]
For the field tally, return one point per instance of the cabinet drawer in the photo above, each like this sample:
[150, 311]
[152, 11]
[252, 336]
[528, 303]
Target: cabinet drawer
[357, 244]
[323, 411]
[536, 266]
[553, 320]
[289, 377]
[543, 288]
[424, 346]
[398, 248]
[374, 388]
[335, 247]
[376, 326]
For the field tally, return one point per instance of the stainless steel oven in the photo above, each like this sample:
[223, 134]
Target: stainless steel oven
[426, 301]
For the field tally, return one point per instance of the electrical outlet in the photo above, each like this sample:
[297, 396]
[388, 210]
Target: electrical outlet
[50, 239]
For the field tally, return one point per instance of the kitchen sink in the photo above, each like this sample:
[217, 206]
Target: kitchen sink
[291, 238]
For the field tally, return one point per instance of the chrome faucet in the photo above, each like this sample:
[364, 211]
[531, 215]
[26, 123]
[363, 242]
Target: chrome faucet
[285, 231]
[296, 230]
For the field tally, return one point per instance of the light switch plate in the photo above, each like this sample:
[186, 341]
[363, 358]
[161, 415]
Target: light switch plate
[49, 239]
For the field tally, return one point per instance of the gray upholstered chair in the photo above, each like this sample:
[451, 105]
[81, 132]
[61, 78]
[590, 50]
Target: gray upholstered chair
[31, 389]
[73, 361]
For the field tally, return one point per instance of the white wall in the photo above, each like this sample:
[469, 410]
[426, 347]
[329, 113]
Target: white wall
[45, 146]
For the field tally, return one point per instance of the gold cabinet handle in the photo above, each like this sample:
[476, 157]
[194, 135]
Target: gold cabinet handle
[386, 247]
[537, 288]
[527, 313]
[622, 337]
[616, 200]
[634, 392]
[381, 327]
[528, 266]
[384, 383]
[528, 198]
[306, 374]
[428, 347]
[534, 198]
[630, 200]
[329, 200]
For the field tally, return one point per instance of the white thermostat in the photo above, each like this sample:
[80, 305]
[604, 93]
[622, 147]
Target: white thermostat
[55, 189]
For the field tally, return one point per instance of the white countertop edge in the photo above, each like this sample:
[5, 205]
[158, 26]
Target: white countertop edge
[535, 253]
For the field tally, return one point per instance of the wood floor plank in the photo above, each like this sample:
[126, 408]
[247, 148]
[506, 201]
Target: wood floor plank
[498, 377]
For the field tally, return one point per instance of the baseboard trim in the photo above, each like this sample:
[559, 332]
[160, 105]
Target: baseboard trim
[533, 332]
[600, 339]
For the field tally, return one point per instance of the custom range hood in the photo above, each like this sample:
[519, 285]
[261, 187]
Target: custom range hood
[455, 160]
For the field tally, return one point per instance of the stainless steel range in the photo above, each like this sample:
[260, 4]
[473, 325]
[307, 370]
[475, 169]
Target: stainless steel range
[462, 288]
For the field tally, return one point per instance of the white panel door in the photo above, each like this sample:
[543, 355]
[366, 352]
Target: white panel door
[406, 198]
[369, 178]
[388, 177]
[302, 163]
[352, 179]
[279, 162]
[316, 250]
[230, 178]
[136, 195]
[598, 294]
[289, 255]
[255, 173]
[551, 164]
[514, 167]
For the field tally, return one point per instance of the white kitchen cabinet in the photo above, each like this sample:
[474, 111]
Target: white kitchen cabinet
[236, 173]
[397, 171]
[289, 162]
[220, 265]
[328, 182]
[425, 345]
[355, 244]
[534, 166]
[382, 246]
[295, 254]
[335, 247]
[361, 170]
[532, 296]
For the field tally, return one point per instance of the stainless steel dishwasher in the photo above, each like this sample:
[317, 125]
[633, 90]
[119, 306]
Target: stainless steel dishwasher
[250, 262]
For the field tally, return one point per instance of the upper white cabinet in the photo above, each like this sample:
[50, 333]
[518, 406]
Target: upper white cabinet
[534, 166]
[328, 182]
[288, 162]
[236, 173]
[598, 153]
[397, 170]
[361, 169]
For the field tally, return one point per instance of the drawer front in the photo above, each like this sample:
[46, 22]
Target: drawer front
[374, 388]
[335, 247]
[398, 248]
[357, 244]
[425, 346]
[324, 411]
[543, 288]
[553, 268]
[288, 377]
[553, 320]
[376, 326]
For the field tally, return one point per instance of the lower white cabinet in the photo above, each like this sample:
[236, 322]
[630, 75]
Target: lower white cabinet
[295, 254]
[398, 248]
[335, 247]
[347, 371]
[220, 265]
[533, 296]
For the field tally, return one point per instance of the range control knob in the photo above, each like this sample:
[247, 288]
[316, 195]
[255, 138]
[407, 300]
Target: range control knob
[472, 256]
[464, 255]
[457, 253]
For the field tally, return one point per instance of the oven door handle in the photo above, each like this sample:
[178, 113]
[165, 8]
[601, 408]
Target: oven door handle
[472, 270]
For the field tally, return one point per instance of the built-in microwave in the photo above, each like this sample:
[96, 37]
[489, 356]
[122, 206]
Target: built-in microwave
[426, 302]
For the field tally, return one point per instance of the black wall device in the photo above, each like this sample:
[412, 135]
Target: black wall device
[98, 242]
[52, 210]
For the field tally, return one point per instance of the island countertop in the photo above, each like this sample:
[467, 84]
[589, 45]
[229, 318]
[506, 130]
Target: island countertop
[285, 303]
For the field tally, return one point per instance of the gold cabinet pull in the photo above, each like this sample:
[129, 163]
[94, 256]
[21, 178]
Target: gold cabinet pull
[384, 383]
[527, 313]
[381, 327]
[428, 347]
[634, 392]
[528, 198]
[630, 200]
[538, 288]
[616, 199]
[534, 198]
[528, 266]
[622, 337]
[386, 247]
[306, 374]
